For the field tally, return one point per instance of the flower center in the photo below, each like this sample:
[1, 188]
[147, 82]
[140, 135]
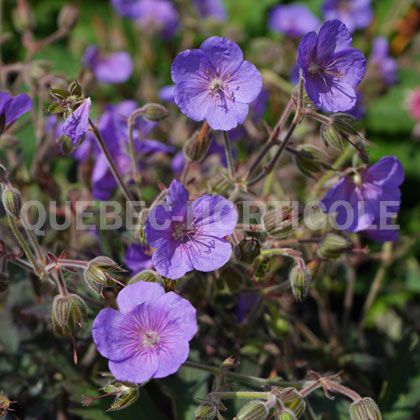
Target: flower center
[150, 339]
[357, 179]
[219, 87]
[315, 68]
[182, 232]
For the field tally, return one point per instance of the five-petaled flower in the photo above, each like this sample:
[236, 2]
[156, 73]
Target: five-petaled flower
[149, 336]
[189, 237]
[331, 67]
[214, 83]
[367, 200]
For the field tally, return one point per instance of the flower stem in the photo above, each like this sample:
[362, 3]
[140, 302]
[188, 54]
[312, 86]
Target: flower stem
[248, 395]
[229, 157]
[34, 241]
[113, 168]
[250, 380]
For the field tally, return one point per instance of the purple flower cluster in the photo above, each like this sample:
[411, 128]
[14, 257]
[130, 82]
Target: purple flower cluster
[189, 237]
[293, 20]
[369, 199]
[214, 83]
[12, 107]
[149, 336]
[113, 68]
[331, 67]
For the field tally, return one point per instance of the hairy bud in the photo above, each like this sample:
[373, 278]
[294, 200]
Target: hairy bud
[254, 410]
[309, 159]
[154, 112]
[300, 280]
[206, 411]
[287, 415]
[68, 311]
[247, 250]
[333, 246]
[68, 17]
[332, 136]
[23, 17]
[196, 148]
[124, 395]
[293, 401]
[12, 201]
[147, 275]
[279, 223]
[365, 409]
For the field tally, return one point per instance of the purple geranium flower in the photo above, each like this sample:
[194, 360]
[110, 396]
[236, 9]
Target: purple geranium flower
[294, 20]
[211, 9]
[383, 63]
[158, 15]
[77, 123]
[367, 200]
[113, 68]
[127, 8]
[149, 336]
[214, 83]
[355, 14]
[331, 67]
[167, 93]
[189, 237]
[136, 258]
[12, 107]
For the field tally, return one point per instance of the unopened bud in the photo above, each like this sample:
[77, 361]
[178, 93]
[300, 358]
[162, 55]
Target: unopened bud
[60, 311]
[254, 410]
[300, 280]
[219, 184]
[4, 406]
[293, 401]
[150, 276]
[196, 148]
[68, 17]
[206, 411]
[331, 135]
[98, 273]
[287, 415]
[12, 201]
[279, 223]
[333, 246]
[124, 395]
[262, 265]
[23, 17]
[154, 112]
[68, 312]
[310, 159]
[247, 250]
[365, 409]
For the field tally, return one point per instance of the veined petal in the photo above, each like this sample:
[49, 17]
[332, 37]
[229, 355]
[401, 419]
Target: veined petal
[332, 38]
[172, 354]
[191, 66]
[208, 253]
[77, 124]
[350, 64]
[245, 83]
[134, 295]
[306, 51]
[18, 106]
[388, 172]
[224, 114]
[159, 227]
[177, 198]
[193, 98]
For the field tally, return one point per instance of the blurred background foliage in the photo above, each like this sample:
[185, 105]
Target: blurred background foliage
[36, 368]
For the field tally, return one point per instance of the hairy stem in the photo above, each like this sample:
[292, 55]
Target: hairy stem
[229, 157]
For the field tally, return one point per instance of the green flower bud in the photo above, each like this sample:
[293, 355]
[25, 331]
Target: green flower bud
[68, 17]
[68, 311]
[12, 201]
[310, 159]
[125, 399]
[60, 311]
[254, 410]
[300, 280]
[247, 250]
[219, 184]
[293, 401]
[154, 112]
[333, 246]
[279, 223]
[262, 265]
[206, 411]
[287, 415]
[4, 406]
[147, 275]
[365, 409]
[23, 18]
[332, 136]
[196, 148]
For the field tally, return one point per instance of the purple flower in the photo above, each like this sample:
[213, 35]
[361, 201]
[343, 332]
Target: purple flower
[12, 107]
[77, 123]
[383, 63]
[366, 201]
[149, 336]
[136, 258]
[214, 83]
[355, 14]
[167, 93]
[127, 8]
[114, 68]
[294, 20]
[359, 110]
[211, 9]
[331, 67]
[189, 237]
[158, 15]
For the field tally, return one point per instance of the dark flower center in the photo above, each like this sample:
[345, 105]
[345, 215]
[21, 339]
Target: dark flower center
[183, 232]
[331, 69]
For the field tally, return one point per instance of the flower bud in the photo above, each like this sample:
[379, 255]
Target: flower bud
[23, 17]
[365, 409]
[332, 136]
[247, 250]
[68, 311]
[206, 411]
[287, 415]
[124, 395]
[196, 148]
[219, 184]
[68, 17]
[293, 401]
[254, 410]
[333, 246]
[12, 201]
[262, 265]
[4, 406]
[147, 275]
[154, 112]
[279, 223]
[300, 280]
[310, 159]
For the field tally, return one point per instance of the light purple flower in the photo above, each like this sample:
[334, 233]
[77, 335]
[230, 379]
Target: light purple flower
[127, 8]
[190, 237]
[158, 15]
[136, 258]
[211, 9]
[149, 336]
[77, 123]
[113, 68]
[372, 195]
[383, 63]
[331, 67]
[355, 14]
[294, 20]
[214, 83]
[12, 107]
[167, 93]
